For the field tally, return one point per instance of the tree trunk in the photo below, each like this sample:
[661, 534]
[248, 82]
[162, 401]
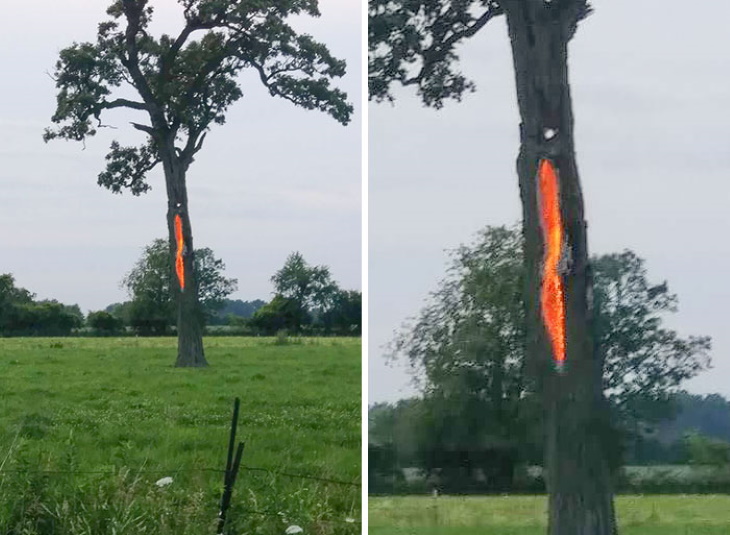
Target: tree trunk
[189, 315]
[576, 416]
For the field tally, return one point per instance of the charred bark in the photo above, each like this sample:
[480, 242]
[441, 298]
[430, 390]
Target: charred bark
[576, 415]
[190, 351]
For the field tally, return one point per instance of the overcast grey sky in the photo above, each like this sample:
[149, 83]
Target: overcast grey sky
[273, 180]
[651, 95]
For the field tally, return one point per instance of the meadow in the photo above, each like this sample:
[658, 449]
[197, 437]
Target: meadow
[88, 426]
[527, 515]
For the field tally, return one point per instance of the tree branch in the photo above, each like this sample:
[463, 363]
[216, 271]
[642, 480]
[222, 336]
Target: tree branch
[192, 26]
[144, 128]
[125, 103]
[133, 14]
[439, 49]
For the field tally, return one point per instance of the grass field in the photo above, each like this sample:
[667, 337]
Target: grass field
[88, 425]
[526, 515]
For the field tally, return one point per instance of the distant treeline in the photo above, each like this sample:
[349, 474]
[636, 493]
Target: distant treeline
[687, 450]
[22, 315]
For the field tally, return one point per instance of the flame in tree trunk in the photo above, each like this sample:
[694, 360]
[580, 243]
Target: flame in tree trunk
[552, 294]
[179, 264]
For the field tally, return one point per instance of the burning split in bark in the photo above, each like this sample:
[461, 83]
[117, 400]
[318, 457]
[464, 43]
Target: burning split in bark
[552, 295]
[179, 263]
[190, 352]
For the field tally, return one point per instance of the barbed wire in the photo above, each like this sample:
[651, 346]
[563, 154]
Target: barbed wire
[183, 470]
[301, 476]
[280, 515]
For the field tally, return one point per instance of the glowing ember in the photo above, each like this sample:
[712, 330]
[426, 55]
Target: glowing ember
[552, 297]
[179, 264]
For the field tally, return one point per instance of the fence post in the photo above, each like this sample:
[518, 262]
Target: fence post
[232, 466]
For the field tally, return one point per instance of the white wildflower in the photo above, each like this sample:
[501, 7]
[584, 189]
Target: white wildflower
[291, 530]
[350, 520]
[165, 481]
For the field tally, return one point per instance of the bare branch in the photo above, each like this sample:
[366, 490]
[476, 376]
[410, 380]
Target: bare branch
[199, 144]
[144, 128]
[124, 103]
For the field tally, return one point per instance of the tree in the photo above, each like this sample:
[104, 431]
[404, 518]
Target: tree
[20, 314]
[706, 450]
[708, 415]
[235, 309]
[185, 85]
[344, 315]
[11, 297]
[413, 43]
[311, 287]
[72, 310]
[468, 345]
[45, 318]
[282, 313]
[152, 295]
[644, 362]
[104, 323]
[121, 311]
[392, 442]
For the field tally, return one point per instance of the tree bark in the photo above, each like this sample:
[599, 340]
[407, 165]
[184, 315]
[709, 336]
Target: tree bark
[578, 474]
[190, 351]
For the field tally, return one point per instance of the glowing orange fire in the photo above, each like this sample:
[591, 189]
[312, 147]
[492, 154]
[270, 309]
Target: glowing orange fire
[552, 295]
[179, 264]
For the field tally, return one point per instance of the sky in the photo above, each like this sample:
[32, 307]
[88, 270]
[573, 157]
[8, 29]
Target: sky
[651, 98]
[274, 179]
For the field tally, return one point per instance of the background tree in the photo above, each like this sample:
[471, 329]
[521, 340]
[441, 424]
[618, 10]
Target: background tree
[307, 300]
[467, 346]
[234, 309]
[311, 287]
[394, 442]
[644, 361]
[46, 318]
[11, 297]
[104, 323]
[184, 85]
[413, 43]
[344, 315]
[706, 450]
[281, 314]
[152, 294]
[121, 311]
[22, 315]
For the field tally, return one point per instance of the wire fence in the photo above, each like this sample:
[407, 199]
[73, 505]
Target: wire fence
[184, 470]
[271, 513]
[233, 466]
[278, 514]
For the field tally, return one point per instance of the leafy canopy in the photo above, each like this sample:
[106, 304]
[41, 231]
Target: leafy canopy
[186, 83]
[309, 286]
[413, 42]
[643, 359]
[468, 342]
[149, 283]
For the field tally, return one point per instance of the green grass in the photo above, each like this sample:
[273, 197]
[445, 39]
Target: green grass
[79, 405]
[526, 515]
